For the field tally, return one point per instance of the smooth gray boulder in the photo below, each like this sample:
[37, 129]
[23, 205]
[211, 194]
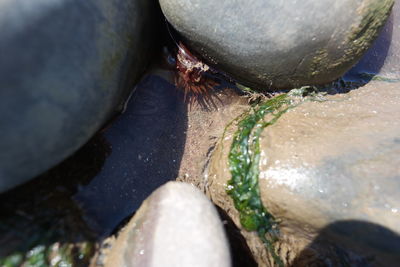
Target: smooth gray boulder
[279, 44]
[176, 226]
[66, 66]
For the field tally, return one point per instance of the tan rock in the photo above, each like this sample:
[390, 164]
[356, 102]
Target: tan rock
[176, 226]
[324, 163]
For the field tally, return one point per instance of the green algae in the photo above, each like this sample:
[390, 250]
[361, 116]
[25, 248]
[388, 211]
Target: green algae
[380, 78]
[40, 223]
[51, 255]
[244, 157]
[45, 237]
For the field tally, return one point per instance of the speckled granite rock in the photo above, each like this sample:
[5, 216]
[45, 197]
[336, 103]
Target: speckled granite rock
[176, 226]
[279, 44]
[66, 66]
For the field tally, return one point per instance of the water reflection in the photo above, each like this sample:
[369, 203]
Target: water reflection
[147, 144]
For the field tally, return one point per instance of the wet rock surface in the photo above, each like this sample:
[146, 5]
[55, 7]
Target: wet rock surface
[40, 224]
[333, 186]
[340, 156]
[63, 72]
[339, 161]
[330, 171]
[176, 226]
[279, 44]
[332, 163]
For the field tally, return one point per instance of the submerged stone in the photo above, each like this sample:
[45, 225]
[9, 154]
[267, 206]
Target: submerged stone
[279, 44]
[66, 67]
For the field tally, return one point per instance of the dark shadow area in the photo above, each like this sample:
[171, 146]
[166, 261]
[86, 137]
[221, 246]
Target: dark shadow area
[110, 176]
[147, 145]
[200, 86]
[40, 216]
[154, 31]
[240, 252]
[370, 64]
[374, 59]
[352, 243]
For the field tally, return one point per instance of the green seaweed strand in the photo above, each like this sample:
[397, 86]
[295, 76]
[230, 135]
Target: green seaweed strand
[244, 158]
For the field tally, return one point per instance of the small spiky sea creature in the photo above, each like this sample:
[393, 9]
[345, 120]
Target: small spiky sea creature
[192, 75]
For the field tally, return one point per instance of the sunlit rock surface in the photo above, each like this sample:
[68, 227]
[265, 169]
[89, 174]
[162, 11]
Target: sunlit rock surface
[330, 170]
[176, 226]
[333, 161]
[279, 44]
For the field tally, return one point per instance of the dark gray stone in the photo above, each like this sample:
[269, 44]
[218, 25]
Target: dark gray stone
[65, 67]
[279, 44]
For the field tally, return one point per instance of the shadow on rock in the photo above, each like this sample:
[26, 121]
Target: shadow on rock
[352, 243]
[240, 251]
[40, 222]
[147, 145]
[374, 59]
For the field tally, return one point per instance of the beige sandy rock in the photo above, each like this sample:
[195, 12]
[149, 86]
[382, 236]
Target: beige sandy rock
[325, 163]
[176, 226]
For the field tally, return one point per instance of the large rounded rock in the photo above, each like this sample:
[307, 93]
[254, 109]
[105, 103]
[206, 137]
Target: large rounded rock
[66, 66]
[176, 226]
[279, 44]
[332, 167]
[330, 170]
